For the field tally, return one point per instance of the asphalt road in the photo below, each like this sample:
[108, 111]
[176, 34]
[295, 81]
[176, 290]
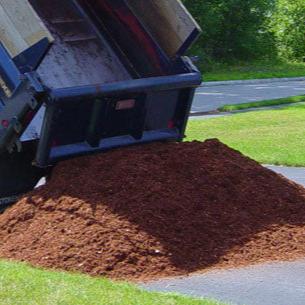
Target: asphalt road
[209, 98]
[268, 284]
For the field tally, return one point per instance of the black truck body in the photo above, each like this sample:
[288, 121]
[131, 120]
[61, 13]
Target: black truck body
[104, 76]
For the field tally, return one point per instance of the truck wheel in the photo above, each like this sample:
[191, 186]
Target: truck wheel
[17, 174]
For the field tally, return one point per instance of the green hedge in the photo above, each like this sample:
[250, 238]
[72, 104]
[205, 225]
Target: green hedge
[289, 28]
[250, 29]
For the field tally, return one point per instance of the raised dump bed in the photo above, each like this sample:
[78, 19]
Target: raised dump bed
[82, 76]
[80, 54]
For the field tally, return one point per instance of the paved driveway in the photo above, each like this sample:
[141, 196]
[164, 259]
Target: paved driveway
[209, 98]
[268, 284]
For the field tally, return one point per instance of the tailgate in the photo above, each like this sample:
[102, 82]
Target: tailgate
[89, 119]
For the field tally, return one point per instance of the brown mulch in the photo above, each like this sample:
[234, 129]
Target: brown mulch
[157, 210]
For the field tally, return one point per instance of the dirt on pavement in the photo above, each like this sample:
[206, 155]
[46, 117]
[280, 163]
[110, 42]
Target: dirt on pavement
[157, 210]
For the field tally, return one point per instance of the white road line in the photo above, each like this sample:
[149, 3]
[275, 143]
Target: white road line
[262, 88]
[210, 93]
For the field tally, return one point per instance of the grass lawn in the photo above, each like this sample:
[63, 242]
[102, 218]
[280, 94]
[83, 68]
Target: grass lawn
[24, 285]
[265, 103]
[253, 70]
[270, 137]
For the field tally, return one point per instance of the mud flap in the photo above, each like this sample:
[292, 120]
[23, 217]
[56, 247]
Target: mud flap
[17, 174]
[7, 202]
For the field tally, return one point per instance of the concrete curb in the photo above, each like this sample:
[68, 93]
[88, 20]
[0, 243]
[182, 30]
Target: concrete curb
[251, 81]
[217, 113]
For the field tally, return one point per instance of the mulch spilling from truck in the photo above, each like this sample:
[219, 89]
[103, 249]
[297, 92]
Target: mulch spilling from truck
[157, 210]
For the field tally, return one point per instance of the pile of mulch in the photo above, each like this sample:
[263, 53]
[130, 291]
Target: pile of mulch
[157, 210]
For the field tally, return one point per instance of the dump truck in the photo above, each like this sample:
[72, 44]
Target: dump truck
[84, 76]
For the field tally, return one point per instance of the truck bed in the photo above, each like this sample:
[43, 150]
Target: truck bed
[80, 77]
[79, 55]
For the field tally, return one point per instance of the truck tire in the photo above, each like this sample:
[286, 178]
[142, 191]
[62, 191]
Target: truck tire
[17, 174]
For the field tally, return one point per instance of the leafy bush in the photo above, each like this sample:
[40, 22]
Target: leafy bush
[248, 30]
[288, 24]
[234, 29]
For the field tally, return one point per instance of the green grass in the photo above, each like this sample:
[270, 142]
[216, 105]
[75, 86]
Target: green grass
[265, 103]
[24, 285]
[253, 70]
[270, 136]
